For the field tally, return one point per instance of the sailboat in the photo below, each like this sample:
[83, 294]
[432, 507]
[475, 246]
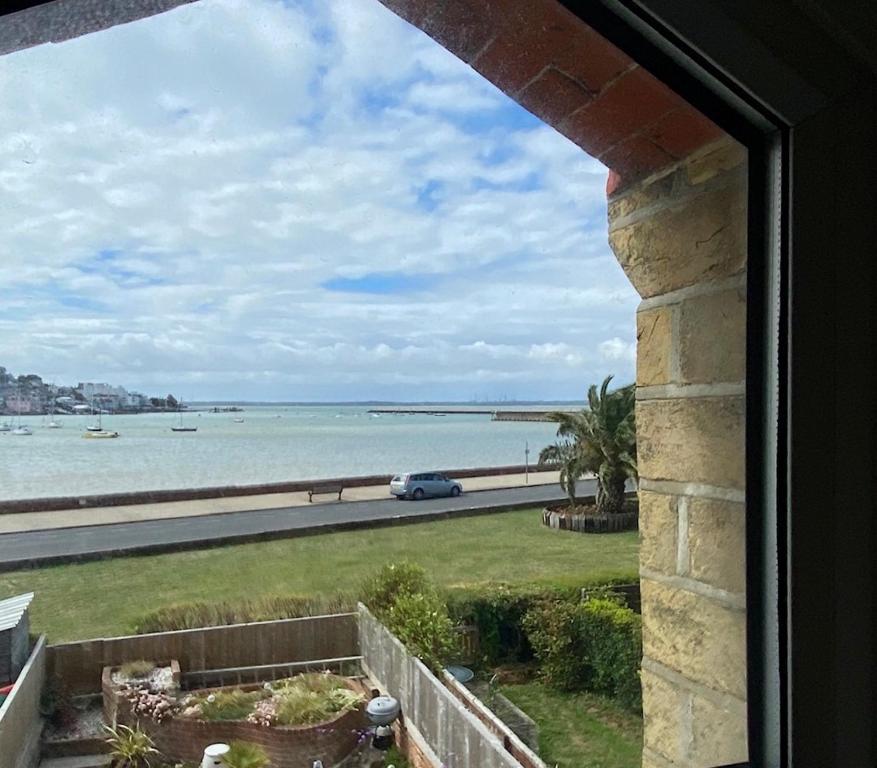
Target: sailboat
[52, 423]
[95, 427]
[20, 429]
[97, 431]
[181, 428]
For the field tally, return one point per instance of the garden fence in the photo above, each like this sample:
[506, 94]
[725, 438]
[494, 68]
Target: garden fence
[457, 737]
[20, 721]
[76, 667]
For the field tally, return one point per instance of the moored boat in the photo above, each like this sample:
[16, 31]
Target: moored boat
[101, 434]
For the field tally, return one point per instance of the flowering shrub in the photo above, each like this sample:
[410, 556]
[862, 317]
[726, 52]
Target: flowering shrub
[264, 713]
[156, 705]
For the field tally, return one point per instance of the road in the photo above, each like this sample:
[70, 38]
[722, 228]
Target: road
[89, 542]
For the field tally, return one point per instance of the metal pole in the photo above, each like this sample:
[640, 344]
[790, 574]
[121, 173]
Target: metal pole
[526, 462]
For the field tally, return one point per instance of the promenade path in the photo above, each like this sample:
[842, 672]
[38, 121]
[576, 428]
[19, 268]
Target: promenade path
[86, 541]
[130, 513]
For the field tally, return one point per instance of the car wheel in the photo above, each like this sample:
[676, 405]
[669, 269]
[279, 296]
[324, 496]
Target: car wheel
[455, 491]
[418, 494]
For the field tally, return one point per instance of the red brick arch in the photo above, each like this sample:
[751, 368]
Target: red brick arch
[570, 77]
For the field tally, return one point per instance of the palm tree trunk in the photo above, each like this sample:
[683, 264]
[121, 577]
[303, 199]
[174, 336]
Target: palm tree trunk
[610, 495]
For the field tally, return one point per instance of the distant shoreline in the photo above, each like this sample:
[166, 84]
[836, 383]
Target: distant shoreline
[388, 403]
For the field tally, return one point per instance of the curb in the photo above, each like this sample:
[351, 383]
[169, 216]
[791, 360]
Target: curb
[279, 533]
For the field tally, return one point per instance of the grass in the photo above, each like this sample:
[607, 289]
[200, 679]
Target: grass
[314, 698]
[131, 670]
[108, 597]
[228, 705]
[580, 730]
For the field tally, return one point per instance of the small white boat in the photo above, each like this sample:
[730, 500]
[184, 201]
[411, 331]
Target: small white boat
[4, 427]
[53, 425]
[97, 430]
[238, 420]
[101, 435]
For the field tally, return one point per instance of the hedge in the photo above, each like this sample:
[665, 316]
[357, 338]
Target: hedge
[498, 610]
[216, 614]
[595, 646]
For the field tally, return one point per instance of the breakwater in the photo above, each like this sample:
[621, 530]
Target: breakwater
[495, 414]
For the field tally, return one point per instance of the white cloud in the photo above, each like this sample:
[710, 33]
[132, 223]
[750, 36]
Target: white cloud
[618, 349]
[176, 193]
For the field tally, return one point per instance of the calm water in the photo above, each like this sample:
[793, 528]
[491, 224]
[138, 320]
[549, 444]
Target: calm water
[272, 444]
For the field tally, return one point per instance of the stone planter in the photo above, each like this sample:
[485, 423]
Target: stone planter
[112, 697]
[562, 519]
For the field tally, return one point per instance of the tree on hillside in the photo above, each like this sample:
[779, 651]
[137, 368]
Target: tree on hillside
[172, 403]
[600, 440]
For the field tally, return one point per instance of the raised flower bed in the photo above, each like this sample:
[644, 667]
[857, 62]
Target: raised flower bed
[295, 721]
[583, 519]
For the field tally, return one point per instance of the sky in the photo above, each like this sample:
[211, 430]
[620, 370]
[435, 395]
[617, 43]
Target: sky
[311, 200]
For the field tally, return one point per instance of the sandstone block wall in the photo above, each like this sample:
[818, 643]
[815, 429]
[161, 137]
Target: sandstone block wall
[681, 238]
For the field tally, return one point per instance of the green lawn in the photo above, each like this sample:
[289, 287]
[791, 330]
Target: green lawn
[104, 598]
[580, 730]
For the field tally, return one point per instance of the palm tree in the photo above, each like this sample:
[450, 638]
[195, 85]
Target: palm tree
[600, 440]
[565, 455]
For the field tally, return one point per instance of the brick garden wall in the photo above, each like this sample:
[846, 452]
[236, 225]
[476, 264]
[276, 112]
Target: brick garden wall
[287, 746]
[681, 238]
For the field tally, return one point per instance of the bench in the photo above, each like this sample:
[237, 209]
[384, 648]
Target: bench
[325, 488]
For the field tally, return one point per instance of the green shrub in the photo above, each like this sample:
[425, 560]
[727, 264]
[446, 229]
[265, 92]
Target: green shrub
[242, 754]
[228, 705]
[313, 698]
[615, 642]
[135, 669]
[395, 758]
[215, 614]
[422, 623]
[497, 611]
[392, 581]
[130, 747]
[594, 646]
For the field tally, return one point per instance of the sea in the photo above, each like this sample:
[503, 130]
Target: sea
[271, 444]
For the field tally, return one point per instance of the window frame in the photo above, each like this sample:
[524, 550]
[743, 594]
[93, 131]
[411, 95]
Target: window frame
[799, 696]
[810, 639]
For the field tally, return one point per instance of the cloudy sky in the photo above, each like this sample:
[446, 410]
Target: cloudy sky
[253, 199]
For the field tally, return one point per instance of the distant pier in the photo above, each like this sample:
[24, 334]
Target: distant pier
[494, 413]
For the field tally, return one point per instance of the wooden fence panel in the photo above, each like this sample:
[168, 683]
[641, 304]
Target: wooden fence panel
[77, 666]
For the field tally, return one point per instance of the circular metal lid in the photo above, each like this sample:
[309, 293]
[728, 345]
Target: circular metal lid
[383, 710]
[460, 674]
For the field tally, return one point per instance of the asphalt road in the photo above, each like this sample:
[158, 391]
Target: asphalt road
[90, 542]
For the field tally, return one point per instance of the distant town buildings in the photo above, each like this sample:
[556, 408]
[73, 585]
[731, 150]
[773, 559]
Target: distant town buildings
[28, 394]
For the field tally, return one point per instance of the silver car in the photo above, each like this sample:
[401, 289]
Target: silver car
[419, 486]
